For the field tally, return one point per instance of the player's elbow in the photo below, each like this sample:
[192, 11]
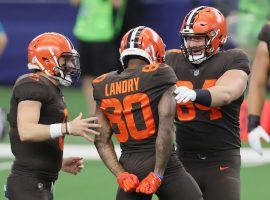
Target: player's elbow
[99, 142]
[26, 132]
[23, 134]
[96, 143]
[226, 98]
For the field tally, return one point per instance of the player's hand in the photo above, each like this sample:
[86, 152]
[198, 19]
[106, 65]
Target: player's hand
[254, 139]
[72, 165]
[128, 182]
[150, 184]
[84, 127]
[184, 94]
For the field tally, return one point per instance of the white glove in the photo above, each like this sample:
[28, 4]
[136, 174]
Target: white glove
[184, 94]
[254, 139]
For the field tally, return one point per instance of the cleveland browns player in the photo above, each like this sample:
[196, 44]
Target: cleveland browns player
[137, 105]
[211, 84]
[38, 119]
[257, 90]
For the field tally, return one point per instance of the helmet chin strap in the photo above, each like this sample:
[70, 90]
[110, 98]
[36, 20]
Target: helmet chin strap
[197, 59]
[65, 82]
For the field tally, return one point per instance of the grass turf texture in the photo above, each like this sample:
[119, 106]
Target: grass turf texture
[96, 182]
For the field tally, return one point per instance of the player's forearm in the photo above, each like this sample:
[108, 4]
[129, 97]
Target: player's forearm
[36, 132]
[222, 95]
[163, 148]
[256, 98]
[107, 154]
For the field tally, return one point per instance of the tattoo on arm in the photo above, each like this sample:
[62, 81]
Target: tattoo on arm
[105, 146]
[166, 110]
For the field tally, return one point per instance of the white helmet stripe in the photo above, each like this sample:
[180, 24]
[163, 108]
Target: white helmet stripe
[132, 39]
[53, 55]
[192, 14]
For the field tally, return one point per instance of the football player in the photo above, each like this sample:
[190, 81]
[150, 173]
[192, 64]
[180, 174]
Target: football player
[257, 90]
[211, 85]
[38, 119]
[136, 104]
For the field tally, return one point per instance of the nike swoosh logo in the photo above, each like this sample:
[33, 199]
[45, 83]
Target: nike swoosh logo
[222, 168]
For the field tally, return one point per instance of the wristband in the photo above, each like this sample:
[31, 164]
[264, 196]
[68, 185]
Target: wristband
[67, 128]
[159, 176]
[203, 97]
[253, 122]
[56, 130]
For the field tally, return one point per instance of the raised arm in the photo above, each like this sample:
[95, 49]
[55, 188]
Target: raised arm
[229, 87]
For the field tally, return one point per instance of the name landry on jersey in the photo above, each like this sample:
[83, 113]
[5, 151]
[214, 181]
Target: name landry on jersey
[121, 87]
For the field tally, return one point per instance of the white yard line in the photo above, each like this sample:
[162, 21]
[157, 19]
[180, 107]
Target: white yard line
[5, 165]
[89, 152]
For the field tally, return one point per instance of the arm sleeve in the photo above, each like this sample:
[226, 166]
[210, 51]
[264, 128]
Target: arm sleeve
[31, 91]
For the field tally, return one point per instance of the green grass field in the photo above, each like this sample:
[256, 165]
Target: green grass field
[96, 182]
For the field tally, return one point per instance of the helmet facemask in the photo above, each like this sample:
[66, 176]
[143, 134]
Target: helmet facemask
[198, 54]
[68, 69]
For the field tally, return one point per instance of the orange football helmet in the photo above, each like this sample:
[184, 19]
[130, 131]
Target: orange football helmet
[205, 22]
[144, 42]
[44, 53]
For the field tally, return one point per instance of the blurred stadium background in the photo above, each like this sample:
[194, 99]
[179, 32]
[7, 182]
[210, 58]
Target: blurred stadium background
[24, 19]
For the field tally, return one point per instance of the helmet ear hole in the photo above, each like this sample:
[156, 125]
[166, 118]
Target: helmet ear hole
[46, 60]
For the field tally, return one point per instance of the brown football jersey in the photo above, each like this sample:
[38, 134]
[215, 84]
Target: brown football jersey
[200, 128]
[130, 101]
[38, 159]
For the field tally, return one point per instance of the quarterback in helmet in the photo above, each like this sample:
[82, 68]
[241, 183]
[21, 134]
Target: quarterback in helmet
[38, 119]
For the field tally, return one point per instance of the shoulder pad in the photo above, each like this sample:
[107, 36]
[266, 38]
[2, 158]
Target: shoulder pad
[178, 51]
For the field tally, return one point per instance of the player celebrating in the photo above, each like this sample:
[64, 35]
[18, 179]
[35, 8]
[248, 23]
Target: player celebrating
[38, 119]
[136, 104]
[210, 91]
